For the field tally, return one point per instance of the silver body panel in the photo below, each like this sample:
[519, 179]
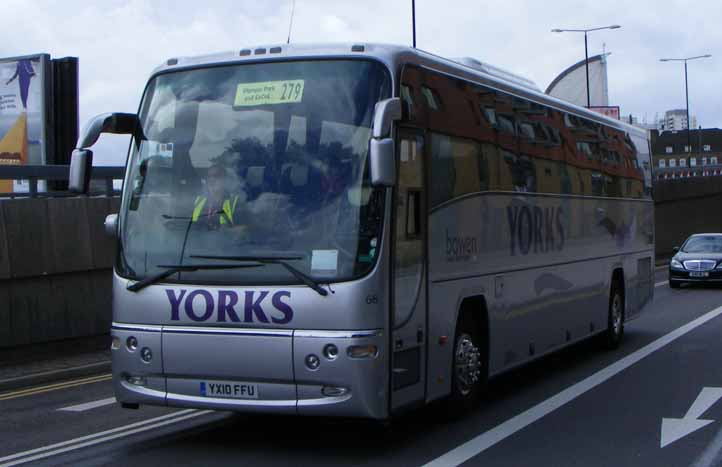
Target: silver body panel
[545, 298]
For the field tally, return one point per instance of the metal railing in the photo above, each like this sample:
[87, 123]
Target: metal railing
[50, 173]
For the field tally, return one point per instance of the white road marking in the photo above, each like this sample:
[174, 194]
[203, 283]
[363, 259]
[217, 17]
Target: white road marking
[488, 439]
[677, 428]
[88, 405]
[660, 284]
[97, 438]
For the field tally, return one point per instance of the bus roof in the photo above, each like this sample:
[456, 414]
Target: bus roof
[394, 56]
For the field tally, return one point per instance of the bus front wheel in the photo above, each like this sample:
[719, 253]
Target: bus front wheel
[468, 368]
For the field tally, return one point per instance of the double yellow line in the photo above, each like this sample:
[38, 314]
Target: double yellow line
[54, 387]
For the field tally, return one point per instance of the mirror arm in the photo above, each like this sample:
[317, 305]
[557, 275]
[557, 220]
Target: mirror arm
[116, 123]
[386, 112]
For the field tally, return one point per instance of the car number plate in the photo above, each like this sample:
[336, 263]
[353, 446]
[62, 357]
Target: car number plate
[229, 389]
[698, 274]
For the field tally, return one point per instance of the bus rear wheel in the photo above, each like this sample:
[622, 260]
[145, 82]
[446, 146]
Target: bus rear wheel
[468, 367]
[615, 321]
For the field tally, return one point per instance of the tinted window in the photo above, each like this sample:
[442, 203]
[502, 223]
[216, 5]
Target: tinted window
[703, 244]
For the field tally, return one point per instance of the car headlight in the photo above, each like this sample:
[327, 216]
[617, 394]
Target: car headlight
[676, 264]
[719, 265]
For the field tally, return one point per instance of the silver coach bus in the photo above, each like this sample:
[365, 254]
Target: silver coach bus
[355, 230]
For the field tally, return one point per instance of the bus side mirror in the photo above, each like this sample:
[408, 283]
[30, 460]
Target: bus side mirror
[81, 163]
[381, 151]
[382, 163]
[111, 225]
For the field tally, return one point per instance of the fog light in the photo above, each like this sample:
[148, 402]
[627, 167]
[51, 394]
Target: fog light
[115, 343]
[362, 351]
[330, 352]
[333, 391]
[146, 354]
[136, 380]
[131, 343]
[313, 362]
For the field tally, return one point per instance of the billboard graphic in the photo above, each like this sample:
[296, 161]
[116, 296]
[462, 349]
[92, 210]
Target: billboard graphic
[23, 94]
[611, 111]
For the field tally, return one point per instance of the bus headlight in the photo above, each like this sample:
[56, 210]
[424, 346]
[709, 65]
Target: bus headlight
[313, 362]
[330, 351]
[146, 354]
[132, 343]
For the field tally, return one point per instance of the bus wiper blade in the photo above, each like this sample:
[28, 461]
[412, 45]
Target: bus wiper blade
[169, 270]
[304, 278]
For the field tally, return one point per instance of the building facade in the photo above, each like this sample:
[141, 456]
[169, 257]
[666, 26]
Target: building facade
[673, 156]
[676, 120]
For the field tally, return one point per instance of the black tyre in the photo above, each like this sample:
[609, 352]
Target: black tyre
[615, 320]
[674, 284]
[469, 367]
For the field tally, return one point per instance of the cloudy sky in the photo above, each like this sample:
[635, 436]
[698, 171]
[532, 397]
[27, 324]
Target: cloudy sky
[119, 42]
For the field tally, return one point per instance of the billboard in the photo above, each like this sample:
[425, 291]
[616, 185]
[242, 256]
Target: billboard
[24, 90]
[611, 111]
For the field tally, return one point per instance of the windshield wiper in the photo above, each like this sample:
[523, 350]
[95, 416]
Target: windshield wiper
[169, 270]
[304, 278]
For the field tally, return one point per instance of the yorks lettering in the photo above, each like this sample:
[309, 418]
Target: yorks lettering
[533, 229]
[227, 306]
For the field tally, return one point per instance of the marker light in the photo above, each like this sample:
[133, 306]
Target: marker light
[146, 354]
[330, 352]
[313, 362]
[131, 343]
[135, 380]
[362, 351]
[333, 391]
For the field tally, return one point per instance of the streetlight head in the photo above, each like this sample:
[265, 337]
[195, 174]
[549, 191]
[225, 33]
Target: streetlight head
[557, 30]
[614, 26]
[707, 56]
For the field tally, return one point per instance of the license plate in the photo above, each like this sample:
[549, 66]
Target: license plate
[229, 390]
[698, 274]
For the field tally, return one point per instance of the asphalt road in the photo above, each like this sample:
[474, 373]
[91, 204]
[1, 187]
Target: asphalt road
[580, 407]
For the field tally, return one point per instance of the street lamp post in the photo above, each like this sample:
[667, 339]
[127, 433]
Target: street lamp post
[586, 49]
[686, 95]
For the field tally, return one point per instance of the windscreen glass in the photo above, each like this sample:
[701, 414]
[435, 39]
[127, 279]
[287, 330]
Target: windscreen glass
[703, 244]
[255, 160]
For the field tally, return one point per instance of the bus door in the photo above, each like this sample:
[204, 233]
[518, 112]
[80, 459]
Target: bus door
[408, 337]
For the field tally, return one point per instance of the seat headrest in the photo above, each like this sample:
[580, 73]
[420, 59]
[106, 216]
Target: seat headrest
[254, 177]
[299, 175]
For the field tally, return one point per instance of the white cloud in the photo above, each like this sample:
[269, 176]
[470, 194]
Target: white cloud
[119, 42]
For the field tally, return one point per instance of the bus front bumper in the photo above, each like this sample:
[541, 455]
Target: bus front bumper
[321, 373]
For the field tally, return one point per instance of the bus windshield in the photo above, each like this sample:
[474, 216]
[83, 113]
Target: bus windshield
[255, 160]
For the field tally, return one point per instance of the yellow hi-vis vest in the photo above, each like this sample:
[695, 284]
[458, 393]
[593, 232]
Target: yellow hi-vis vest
[228, 209]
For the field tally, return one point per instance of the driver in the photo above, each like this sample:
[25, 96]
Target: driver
[218, 208]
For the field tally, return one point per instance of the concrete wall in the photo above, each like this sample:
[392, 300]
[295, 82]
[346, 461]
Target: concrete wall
[684, 207]
[55, 269]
